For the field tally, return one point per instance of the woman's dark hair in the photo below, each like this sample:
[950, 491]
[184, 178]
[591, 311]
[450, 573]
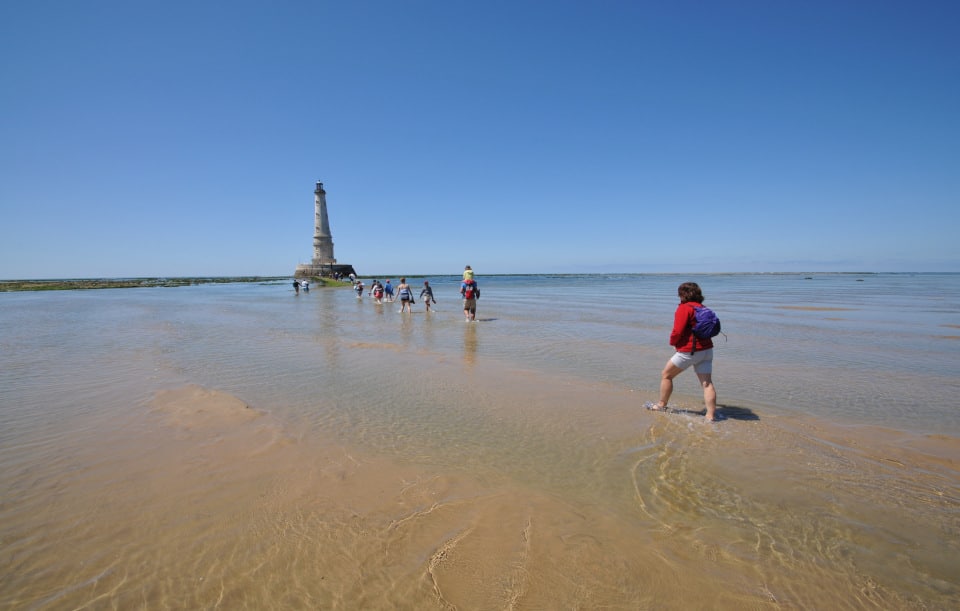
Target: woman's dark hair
[690, 291]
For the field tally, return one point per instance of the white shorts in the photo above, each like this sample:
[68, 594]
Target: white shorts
[702, 360]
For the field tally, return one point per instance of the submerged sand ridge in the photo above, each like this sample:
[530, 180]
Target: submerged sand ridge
[220, 504]
[194, 407]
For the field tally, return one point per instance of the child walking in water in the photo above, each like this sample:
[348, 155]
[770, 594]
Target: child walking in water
[426, 295]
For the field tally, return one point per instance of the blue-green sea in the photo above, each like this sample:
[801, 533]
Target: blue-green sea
[244, 446]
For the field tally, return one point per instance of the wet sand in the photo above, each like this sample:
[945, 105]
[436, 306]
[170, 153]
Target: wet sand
[203, 501]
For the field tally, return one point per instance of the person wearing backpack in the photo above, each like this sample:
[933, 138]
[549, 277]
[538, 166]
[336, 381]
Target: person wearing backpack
[691, 337]
[470, 292]
[377, 291]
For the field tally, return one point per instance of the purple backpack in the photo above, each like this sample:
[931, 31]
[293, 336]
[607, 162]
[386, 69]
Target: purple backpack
[705, 323]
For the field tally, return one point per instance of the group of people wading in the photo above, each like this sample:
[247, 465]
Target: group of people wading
[384, 292]
[692, 350]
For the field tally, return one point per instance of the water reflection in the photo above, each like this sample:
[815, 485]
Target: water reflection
[427, 331]
[328, 323]
[407, 328]
[470, 342]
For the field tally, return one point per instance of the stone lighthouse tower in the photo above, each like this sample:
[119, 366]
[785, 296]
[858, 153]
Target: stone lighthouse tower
[322, 240]
[323, 262]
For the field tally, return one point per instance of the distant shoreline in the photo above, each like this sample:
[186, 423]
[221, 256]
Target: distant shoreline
[65, 284]
[7, 286]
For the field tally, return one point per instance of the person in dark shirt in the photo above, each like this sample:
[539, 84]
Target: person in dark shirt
[426, 295]
[470, 292]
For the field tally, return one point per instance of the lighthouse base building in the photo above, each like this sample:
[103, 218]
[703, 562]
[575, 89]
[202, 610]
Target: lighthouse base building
[323, 262]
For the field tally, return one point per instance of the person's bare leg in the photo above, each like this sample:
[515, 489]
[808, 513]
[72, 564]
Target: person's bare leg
[670, 371]
[709, 395]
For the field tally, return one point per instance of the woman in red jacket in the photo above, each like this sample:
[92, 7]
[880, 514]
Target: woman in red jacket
[691, 350]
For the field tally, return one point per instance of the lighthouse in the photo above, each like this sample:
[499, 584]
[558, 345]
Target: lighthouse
[322, 240]
[323, 262]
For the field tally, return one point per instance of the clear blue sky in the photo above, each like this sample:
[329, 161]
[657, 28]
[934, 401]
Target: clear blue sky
[184, 138]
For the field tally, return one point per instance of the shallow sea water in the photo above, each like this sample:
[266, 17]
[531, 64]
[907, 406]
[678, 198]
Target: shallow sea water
[240, 446]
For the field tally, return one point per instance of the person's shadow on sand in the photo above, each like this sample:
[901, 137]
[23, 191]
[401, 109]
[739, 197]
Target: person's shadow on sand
[732, 412]
[724, 412]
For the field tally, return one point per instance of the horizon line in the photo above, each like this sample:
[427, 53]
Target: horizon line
[455, 274]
